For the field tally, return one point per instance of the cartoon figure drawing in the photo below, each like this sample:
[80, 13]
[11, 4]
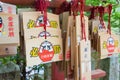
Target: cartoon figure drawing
[40, 22]
[1, 9]
[42, 34]
[100, 27]
[110, 44]
[46, 51]
[1, 26]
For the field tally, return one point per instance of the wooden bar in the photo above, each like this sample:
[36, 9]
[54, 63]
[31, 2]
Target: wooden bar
[98, 73]
[53, 3]
[20, 2]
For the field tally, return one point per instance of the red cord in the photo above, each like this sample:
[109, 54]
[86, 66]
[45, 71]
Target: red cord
[41, 5]
[109, 20]
[101, 12]
[82, 19]
[78, 5]
[93, 11]
[74, 6]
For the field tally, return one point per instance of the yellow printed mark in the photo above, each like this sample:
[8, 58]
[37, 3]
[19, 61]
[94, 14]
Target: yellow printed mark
[31, 24]
[4, 33]
[95, 29]
[53, 24]
[116, 43]
[34, 52]
[104, 45]
[57, 49]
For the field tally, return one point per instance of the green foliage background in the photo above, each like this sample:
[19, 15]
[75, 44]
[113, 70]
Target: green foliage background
[115, 17]
[115, 24]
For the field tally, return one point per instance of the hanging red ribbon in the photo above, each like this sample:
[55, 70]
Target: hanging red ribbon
[78, 6]
[101, 12]
[41, 5]
[74, 7]
[93, 12]
[65, 6]
[109, 20]
[82, 19]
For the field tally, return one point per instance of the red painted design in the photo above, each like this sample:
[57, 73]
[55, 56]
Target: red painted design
[60, 56]
[46, 55]
[68, 55]
[10, 23]
[110, 45]
[41, 25]
[10, 18]
[11, 34]
[110, 48]
[9, 9]
[1, 25]
[10, 27]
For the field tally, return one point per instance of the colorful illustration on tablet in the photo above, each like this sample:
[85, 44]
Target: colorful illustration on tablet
[110, 44]
[34, 52]
[95, 30]
[100, 26]
[40, 23]
[42, 34]
[46, 51]
[1, 27]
